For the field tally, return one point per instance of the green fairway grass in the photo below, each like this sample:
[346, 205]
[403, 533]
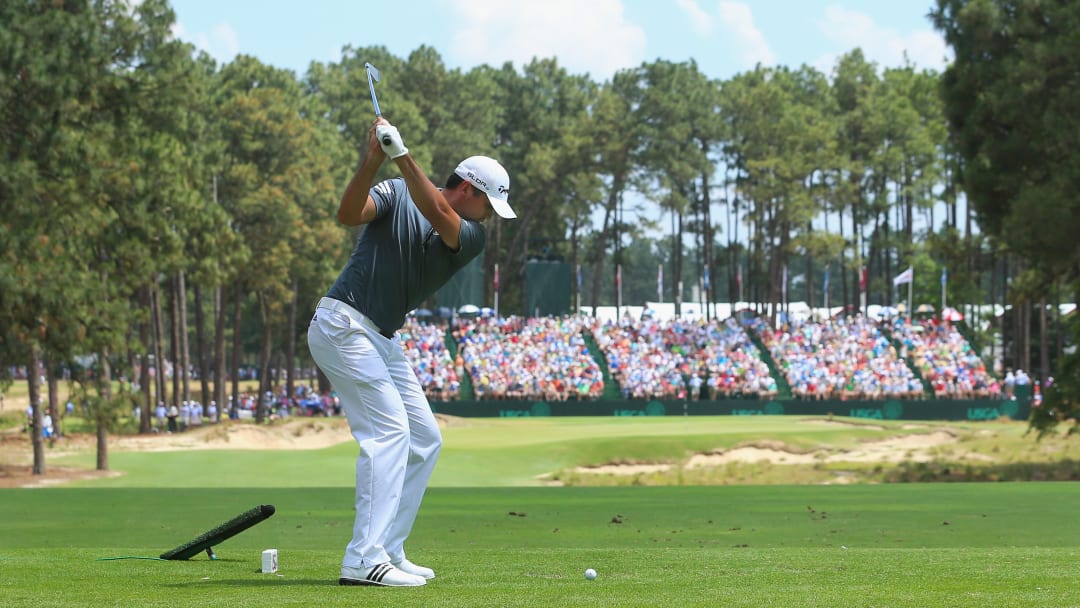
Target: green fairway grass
[895, 545]
[480, 452]
[498, 536]
[529, 452]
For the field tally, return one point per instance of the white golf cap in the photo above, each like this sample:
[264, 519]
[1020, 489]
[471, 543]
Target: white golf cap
[488, 175]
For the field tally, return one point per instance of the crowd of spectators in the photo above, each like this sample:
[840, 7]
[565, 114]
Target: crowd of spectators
[675, 359]
[647, 359]
[538, 358]
[547, 358]
[425, 347]
[945, 359]
[734, 365]
[840, 358]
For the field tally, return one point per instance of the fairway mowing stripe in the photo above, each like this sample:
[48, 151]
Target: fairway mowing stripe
[107, 559]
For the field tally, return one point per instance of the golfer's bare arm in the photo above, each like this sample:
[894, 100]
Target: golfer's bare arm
[357, 207]
[431, 202]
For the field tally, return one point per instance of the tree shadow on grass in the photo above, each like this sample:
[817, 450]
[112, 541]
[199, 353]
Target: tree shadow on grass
[275, 581]
[906, 472]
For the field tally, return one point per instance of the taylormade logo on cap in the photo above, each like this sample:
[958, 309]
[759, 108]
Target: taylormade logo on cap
[488, 175]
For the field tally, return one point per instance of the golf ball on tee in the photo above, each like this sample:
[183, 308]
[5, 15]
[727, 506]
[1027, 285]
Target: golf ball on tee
[590, 574]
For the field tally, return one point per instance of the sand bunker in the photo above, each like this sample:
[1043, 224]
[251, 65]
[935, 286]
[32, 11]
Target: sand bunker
[905, 448]
[295, 434]
[625, 469]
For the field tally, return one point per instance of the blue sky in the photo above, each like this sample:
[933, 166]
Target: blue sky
[595, 37]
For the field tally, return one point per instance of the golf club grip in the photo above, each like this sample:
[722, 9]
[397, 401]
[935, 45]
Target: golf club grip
[221, 533]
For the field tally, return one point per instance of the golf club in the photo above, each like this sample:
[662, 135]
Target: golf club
[227, 530]
[372, 78]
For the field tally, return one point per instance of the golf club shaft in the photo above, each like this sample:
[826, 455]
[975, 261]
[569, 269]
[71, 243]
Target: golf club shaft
[374, 100]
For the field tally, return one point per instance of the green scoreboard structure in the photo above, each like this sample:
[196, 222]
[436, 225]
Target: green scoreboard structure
[547, 288]
[465, 287]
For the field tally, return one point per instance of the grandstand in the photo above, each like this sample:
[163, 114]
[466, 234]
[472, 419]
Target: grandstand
[676, 358]
[840, 358]
[671, 360]
[425, 348]
[946, 359]
[536, 358]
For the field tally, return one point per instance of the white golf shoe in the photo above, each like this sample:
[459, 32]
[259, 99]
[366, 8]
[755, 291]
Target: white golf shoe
[410, 568]
[383, 575]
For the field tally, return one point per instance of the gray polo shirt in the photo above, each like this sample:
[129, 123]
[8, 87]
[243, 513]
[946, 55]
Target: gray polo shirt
[399, 260]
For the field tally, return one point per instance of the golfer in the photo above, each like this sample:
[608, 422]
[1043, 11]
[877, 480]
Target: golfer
[416, 237]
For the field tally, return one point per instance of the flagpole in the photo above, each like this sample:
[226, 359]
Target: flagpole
[862, 289]
[496, 290]
[578, 289]
[783, 294]
[826, 290]
[909, 302]
[705, 291]
[738, 279]
[944, 295]
[660, 283]
[618, 290]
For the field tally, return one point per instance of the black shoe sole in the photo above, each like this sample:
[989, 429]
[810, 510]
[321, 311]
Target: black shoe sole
[354, 582]
[351, 582]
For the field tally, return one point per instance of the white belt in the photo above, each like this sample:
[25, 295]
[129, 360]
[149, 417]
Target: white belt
[356, 315]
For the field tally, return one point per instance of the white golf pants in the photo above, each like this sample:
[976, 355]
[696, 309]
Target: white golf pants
[390, 419]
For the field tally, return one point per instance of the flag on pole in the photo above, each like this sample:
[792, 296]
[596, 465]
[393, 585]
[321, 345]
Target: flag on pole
[496, 277]
[825, 290]
[659, 282]
[904, 277]
[862, 278]
[618, 286]
[579, 278]
[944, 291]
[783, 286]
[738, 280]
[705, 278]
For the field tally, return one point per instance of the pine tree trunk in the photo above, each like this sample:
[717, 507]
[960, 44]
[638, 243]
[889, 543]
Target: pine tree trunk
[185, 353]
[159, 347]
[237, 350]
[856, 283]
[201, 359]
[290, 345]
[601, 253]
[53, 392]
[1044, 345]
[174, 343]
[706, 228]
[220, 375]
[843, 265]
[262, 402]
[144, 368]
[103, 410]
[678, 259]
[33, 385]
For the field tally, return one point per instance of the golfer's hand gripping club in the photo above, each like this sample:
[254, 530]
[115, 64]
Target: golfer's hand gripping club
[391, 140]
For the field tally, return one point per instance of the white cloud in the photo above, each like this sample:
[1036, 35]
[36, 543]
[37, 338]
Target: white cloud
[701, 21]
[586, 36]
[221, 43]
[882, 45]
[738, 21]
